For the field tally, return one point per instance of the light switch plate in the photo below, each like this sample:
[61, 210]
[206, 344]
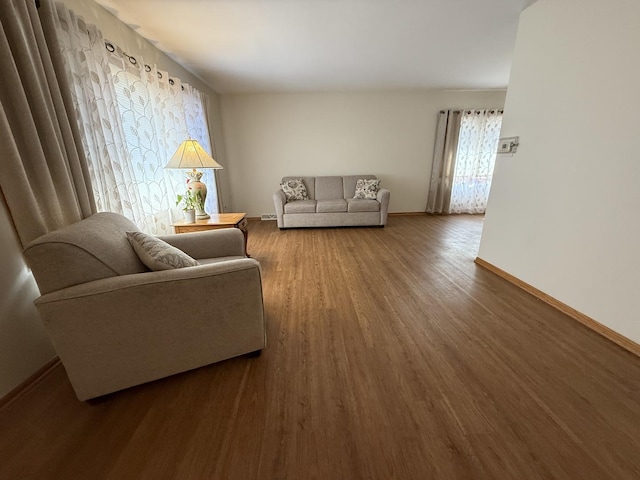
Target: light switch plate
[508, 144]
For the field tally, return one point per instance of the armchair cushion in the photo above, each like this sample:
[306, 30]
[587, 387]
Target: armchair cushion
[157, 254]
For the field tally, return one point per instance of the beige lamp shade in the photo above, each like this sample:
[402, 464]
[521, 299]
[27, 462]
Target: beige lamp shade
[191, 155]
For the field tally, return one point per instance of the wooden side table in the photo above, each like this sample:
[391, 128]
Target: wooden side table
[217, 220]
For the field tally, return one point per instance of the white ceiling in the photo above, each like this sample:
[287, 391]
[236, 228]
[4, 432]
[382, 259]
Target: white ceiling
[329, 45]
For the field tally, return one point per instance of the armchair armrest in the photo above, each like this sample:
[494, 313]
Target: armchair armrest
[279, 199]
[225, 242]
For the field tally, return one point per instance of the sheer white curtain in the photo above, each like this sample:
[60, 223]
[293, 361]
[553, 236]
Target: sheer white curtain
[132, 118]
[463, 160]
[475, 159]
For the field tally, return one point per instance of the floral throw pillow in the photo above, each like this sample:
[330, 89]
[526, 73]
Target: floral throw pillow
[294, 190]
[157, 254]
[367, 188]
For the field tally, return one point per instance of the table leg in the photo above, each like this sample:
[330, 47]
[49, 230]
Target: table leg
[242, 225]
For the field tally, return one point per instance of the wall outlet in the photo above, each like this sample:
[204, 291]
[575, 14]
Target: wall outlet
[268, 216]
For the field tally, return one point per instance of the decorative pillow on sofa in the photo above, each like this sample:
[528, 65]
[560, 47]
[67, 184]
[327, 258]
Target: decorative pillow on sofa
[158, 254]
[367, 189]
[294, 190]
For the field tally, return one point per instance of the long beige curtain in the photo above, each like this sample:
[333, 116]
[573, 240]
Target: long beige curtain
[43, 173]
[444, 156]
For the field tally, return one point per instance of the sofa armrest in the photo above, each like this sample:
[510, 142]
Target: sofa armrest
[383, 197]
[121, 331]
[224, 242]
[279, 199]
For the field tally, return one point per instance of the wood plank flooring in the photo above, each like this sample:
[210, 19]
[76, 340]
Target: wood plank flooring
[390, 355]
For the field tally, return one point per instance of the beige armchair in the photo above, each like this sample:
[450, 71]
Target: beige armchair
[116, 324]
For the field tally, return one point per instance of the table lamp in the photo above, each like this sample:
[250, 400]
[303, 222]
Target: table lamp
[191, 155]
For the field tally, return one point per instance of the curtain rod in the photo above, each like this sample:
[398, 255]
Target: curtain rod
[472, 111]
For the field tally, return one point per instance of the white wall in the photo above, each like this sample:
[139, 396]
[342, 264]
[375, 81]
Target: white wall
[24, 344]
[388, 134]
[562, 214]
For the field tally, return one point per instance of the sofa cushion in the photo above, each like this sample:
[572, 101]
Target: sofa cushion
[157, 254]
[362, 205]
[329, 188]
[309, 183]
[367, 188]
[333, 205]
[294, 190]
[349, 182]
[94, 248]
[300, 206]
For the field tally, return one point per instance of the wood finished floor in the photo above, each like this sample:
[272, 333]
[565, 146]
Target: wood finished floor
[390, 355]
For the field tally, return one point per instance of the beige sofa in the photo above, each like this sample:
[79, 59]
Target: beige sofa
[331, 204]
[115, 324]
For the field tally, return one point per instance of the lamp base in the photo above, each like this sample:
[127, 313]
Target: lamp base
[194, 184]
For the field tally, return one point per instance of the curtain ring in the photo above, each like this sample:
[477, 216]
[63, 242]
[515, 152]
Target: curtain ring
[147, 68]
[109, 47]
[159, 75]
[171, 82]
